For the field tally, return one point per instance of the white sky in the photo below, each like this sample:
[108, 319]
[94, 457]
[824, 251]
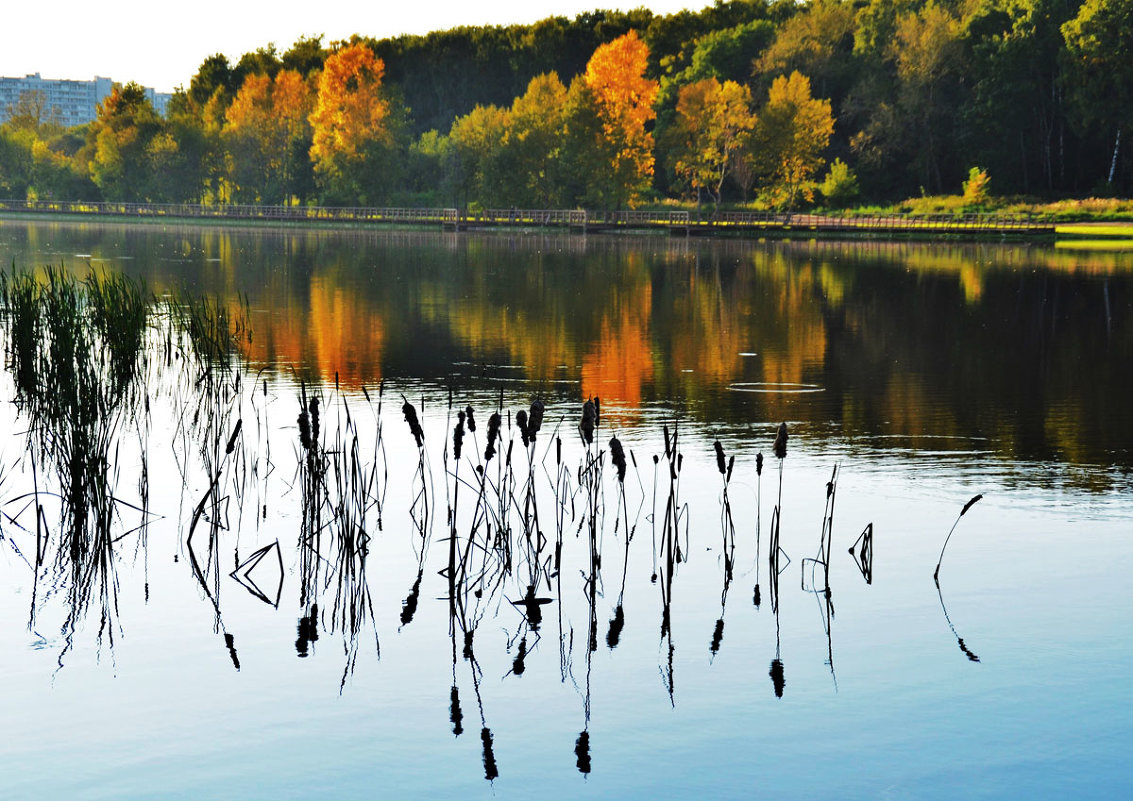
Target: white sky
[161, 45]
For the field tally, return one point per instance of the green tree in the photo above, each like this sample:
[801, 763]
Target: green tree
[791, 133]
[1099, 53]
[536, 129]
[120, 137]
[477, 152]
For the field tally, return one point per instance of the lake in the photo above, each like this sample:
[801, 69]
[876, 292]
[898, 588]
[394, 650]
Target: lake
[267, 589]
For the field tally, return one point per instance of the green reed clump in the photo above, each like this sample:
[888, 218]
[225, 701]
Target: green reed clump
[216, 331]
[75, 349]
[19, 304]
[119, 311]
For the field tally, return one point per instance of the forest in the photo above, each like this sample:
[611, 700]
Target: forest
[763, 103]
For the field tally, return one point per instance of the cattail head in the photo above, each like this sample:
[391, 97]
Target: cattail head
[491, 772]
[582, 752]
[777, 678]
[493, 435]
[458, 435]
[618, 457]
[589, 421]
[717, 637]
[314, 407]
[454, 712]
[720, 461]
[235, 433]
[469, 419]
[535, 418]
[759, 463]
[304, 421]
[524, 429]
[780, 446]
[414, 425]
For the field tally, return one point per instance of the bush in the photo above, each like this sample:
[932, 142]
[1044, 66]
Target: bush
[976, 187]
[840, 186]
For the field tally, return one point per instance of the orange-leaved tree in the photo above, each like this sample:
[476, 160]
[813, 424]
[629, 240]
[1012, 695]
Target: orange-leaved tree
[264, 131]
[714, 123]
[622, 99]
[351, 117]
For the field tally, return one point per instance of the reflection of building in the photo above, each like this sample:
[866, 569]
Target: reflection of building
[68, 102]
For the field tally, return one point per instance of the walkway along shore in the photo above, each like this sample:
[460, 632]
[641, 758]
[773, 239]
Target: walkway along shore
[677, 223]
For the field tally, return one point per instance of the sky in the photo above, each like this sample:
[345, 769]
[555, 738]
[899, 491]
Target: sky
[161, 45]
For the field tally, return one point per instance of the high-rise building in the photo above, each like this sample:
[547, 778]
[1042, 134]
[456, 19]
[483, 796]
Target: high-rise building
[67, 102]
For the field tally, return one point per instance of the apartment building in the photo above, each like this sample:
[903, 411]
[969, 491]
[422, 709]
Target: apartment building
[69, 102]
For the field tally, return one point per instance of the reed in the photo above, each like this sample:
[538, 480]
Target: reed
[964, 511]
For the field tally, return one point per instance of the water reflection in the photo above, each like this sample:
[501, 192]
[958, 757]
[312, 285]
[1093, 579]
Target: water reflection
[899, 337]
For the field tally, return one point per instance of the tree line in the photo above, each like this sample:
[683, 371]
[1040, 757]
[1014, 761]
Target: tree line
[782, 103]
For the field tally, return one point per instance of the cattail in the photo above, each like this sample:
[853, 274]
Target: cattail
[967, 506]
[759, 463]
[235, 433]
[777, 678]
[717, 637]
[618, 457]
[665, 429]
[493, 435]
[535, 419]
[304, 421]
[491, 772]
[454, 712]
[589, 421]
[469, 419]
[597, 411]
[458, 435]
[731, 464]
[582, 752]
[780, 446]
[414, 426]
[524, 430]
[314, 407]
[720, 462]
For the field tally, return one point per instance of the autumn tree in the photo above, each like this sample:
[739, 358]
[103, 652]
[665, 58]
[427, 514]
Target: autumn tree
[714, 122]
[267, 133]
[791, 133]
[350, 122]
[622, 99]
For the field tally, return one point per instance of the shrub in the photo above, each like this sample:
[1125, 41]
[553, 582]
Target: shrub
[840, 186]
[976, 187]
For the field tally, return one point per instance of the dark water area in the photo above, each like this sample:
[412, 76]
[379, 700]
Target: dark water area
[282, 617]
[1025, 347]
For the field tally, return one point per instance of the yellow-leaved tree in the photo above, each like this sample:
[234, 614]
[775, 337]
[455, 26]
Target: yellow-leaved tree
[791, 133]
[622, 101]
[714, 123]
[350, 122]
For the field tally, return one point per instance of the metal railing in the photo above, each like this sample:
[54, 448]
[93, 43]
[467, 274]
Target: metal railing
[675, 220]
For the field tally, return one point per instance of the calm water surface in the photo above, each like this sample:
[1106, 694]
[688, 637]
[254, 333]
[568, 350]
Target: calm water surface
[926, 374]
